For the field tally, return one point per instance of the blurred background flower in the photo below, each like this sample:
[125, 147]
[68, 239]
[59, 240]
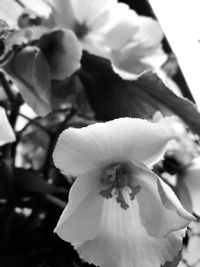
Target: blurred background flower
[7, 134]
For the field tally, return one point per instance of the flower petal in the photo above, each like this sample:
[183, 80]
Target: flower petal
[82, 216]
[133, 61]
[150, 33]
[160, 210]
[122, 24]
[91, 9]
[128, 63]
[102, 144]
[6, 132]
[142, 53]
[62, 13]
[155, 57]
[123, 241]
[191, 178]
[63, 51]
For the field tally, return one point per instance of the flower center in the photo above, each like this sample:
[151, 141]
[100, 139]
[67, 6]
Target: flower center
[81, 30]
[116, 178]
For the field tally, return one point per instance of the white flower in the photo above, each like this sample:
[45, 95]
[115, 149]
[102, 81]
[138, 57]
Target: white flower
[6, 132]
[185, 151]
[112, 30]
[189, 185]
[171, 123]
[119, 212]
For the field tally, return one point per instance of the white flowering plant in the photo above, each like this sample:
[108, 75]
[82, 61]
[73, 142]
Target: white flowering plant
[99, 138]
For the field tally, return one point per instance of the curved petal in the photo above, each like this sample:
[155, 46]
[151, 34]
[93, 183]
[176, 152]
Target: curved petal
[128, 63]
[160, 210]
[191, 178]
[122, 24]
[119, 35]
[154, 57]
[133, 61]
[63, 52]
[123, 241]
[6, 132]
[102, 144]
[91, 9]
[142, 53]
[168, 81]
[81, 218]
[150, 33]
[184, 194]
[62, 13]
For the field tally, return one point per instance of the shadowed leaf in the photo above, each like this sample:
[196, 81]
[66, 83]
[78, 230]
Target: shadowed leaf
[112, 97]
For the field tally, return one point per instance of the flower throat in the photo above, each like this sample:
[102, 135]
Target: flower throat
[116, 178]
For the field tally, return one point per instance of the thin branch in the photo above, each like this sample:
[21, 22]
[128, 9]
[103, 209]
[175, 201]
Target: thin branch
[20, 3]
[56, 201]
[33, 121]
[7, 88]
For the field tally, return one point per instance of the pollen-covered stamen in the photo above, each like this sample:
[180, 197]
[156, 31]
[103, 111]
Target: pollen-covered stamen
[117, 179]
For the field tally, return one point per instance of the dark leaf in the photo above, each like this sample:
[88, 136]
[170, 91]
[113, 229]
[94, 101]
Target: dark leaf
[31, 73]
[30, 181]
[6, 179]
[112, 97]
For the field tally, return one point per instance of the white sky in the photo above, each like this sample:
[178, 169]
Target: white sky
[180, 21]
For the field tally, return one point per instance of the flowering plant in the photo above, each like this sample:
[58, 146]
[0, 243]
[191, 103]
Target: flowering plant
[96, 145]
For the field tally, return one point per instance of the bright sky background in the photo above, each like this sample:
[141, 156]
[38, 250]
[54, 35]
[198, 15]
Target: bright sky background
[180, 21]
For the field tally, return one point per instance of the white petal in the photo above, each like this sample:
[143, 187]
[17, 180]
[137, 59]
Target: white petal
[128, 63]
[10, 12]
[191, 177]
[169, 82]
[123, 241]
[155, 57]
[101, 144]
[6, 132]
[81, 218]
[142, 53]
[122, 24]
[91, 9]
[150, 33]
[184, 194]
[119, 35]
[160, 210]
[63, 13]
[135, 60]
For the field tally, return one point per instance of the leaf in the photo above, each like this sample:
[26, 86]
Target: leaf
[112, 97]
[30, 70]
[6, 182]
[30, 181]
